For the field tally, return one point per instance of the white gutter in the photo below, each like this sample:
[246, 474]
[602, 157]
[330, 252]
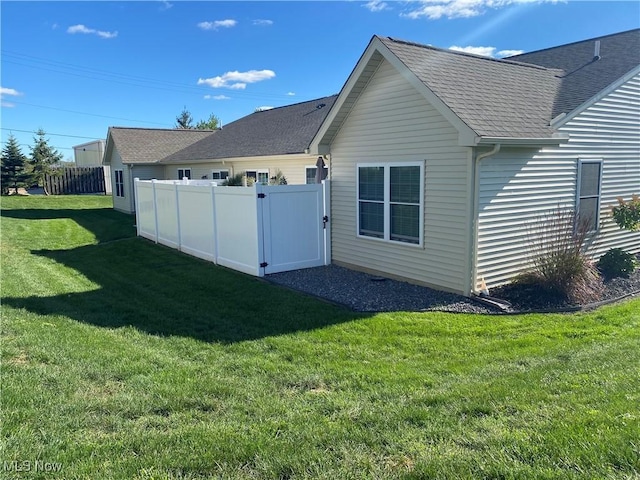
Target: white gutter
[476, 213]
[522, 141]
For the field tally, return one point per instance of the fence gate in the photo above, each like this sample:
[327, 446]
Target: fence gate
[256, 230]
[295, 227]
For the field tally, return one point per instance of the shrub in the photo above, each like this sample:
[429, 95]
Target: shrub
[627, 214]
[561, 266]
[238, 180]
[617, 263]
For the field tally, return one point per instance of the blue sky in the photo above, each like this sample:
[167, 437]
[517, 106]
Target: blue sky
[76, 68]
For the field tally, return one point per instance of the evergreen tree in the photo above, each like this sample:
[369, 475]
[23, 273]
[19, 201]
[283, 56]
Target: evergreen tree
[184, 120]
[14, 167]
[43, 160]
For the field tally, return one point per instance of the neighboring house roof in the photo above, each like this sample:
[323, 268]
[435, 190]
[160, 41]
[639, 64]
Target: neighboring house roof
[151, 145]
[515, 98]
[585, 74]
[277, 131]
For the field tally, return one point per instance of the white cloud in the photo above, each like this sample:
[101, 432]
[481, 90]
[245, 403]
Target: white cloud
[263, 22]
[91, 31]
[215, 25]
[376, 5]
[216, 97]
[435, 9]
[484, 51]
[262, 109]
[165, 5]
[11, 92]
[237, 80]
[291, 94]
[509, 53]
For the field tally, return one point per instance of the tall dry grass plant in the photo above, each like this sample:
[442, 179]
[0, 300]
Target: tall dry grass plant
[559, 242]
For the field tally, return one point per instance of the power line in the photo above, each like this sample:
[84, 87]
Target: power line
[114, 77]
[27, 145]
[52, 134]
[86, 113]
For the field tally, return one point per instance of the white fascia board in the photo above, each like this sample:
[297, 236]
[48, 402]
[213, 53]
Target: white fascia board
[562, 119]
[108, 149]
[316, 146]
[466, 134]
[522, 142]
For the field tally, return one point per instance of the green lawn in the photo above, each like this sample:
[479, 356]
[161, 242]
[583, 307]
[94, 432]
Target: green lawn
[128, 360]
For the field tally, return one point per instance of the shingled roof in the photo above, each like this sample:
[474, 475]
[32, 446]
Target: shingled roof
[585, 73]
[495, 98]
[151, 145]
[277, 131]
[487, 98]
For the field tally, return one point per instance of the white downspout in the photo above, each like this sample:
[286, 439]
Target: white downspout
[476, 214]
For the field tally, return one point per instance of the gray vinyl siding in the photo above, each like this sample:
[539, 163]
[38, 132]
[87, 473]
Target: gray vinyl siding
[392, 122]
[517, 187]
[143, 172]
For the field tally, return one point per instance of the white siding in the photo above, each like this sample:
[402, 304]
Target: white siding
[517, 187]
[392, 122]
[119, 203]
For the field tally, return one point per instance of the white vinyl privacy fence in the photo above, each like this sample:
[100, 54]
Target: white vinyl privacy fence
[257, 230]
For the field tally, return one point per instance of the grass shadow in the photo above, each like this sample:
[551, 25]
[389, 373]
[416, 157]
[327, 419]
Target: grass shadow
[105, 223]
[164, 292]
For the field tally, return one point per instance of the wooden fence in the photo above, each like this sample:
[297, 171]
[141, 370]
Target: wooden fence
[76, 180]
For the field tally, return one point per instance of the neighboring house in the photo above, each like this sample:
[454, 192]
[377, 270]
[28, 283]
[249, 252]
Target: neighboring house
[261, 145]
[89, 154]
[137, 152]
[441, 161]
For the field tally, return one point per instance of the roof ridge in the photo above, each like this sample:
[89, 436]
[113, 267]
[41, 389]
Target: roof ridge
[474, 55]
[163, 129]
[587, 40]
[293, 104]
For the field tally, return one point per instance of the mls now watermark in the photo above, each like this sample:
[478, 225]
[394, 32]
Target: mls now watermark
[31, 466]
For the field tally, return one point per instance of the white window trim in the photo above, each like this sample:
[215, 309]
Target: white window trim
[219, 171]
[598, 197]
[119, 191]
[258, 172]
[387, 202]
[183, 170]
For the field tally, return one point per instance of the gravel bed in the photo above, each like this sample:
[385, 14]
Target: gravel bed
[363, 292]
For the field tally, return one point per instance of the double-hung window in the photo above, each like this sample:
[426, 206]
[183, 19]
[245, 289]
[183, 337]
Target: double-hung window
[219, 174]
[119, 177]
[588, 193]
[259, 176]
[184, 172]
[390, 201]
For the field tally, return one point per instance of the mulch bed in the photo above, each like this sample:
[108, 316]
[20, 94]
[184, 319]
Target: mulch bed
[525, 298]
